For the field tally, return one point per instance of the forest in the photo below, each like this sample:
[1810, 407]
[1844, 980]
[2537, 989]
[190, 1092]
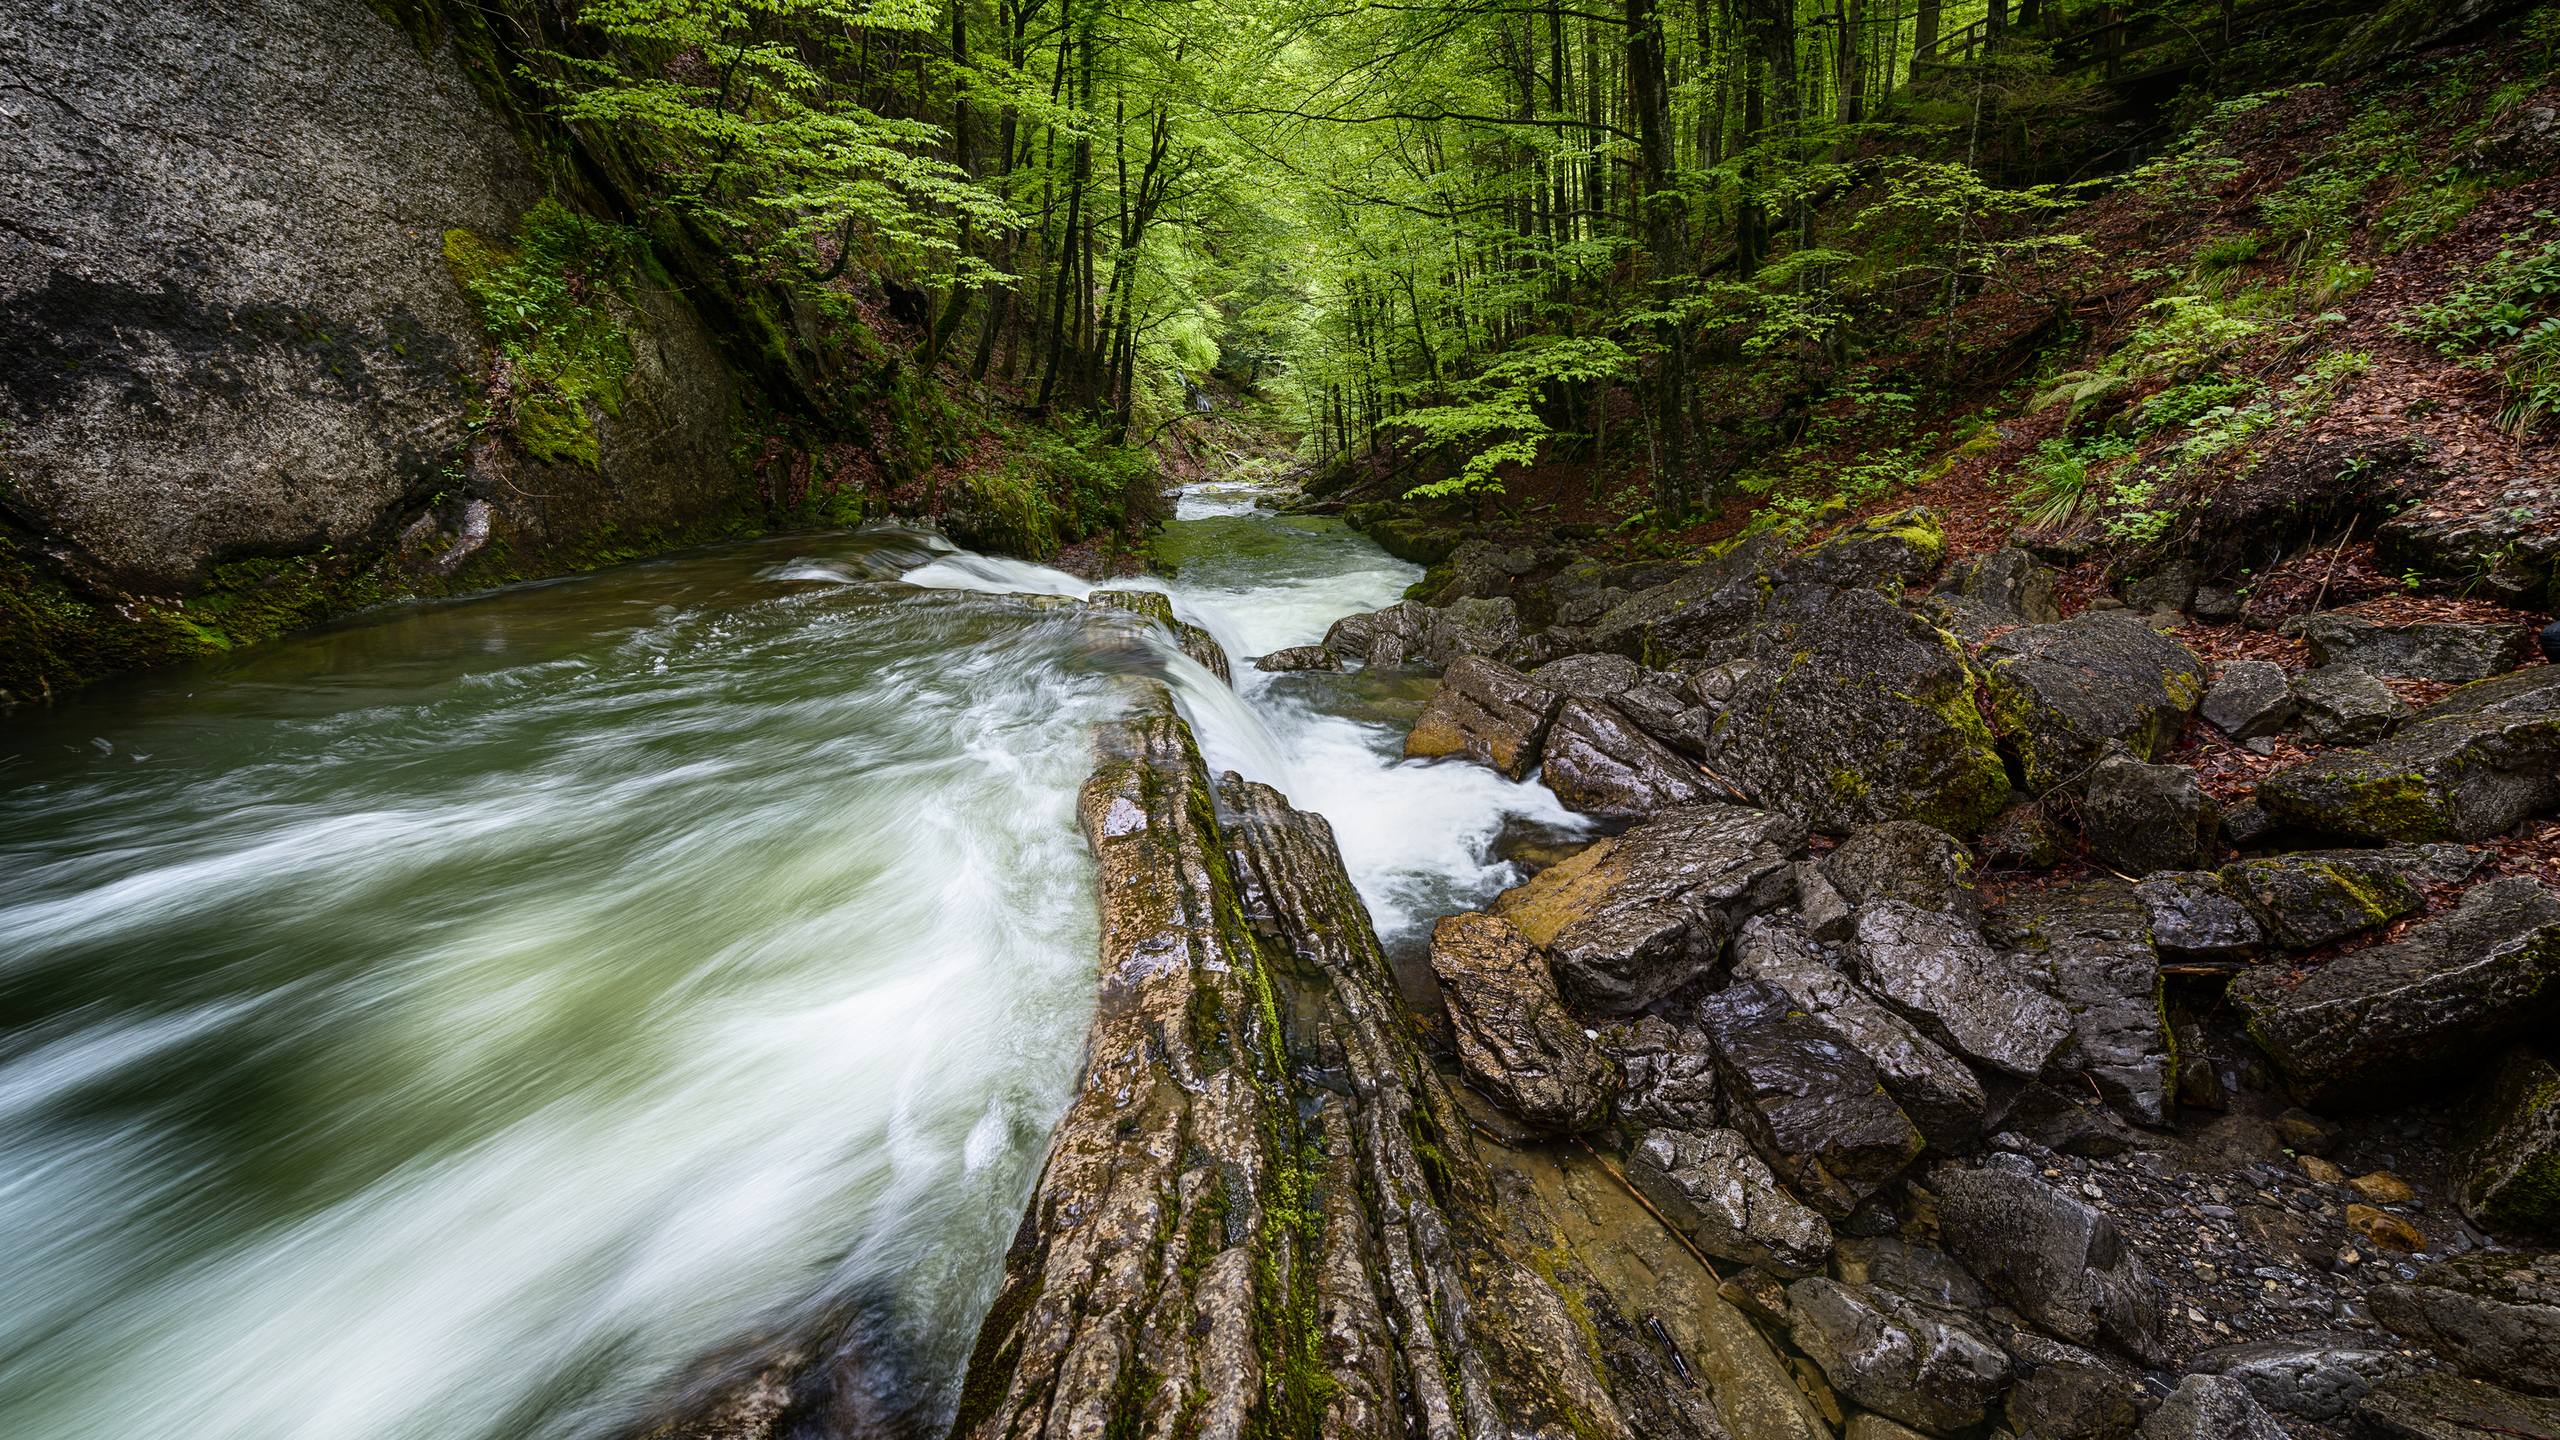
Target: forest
[1280, 720]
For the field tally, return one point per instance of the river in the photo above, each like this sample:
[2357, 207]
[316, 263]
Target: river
[460, 1023]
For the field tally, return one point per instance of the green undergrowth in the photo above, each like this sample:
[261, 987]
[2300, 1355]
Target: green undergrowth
[556, 305]
[1056, 484]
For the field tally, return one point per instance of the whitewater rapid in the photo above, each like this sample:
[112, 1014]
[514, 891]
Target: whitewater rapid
[469, 1023]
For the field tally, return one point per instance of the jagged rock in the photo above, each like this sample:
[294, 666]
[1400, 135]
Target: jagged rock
[1670, 1075]
[1712, 687]
[2389, 1014]
[1633, 918]
[2315, 898]
[1484, 625]
[1704, 614]
[1514, 1040]
[2455, 652]
[2249, 698]
[2091, 945]
[2196, 914]
[2140, 818]
[2059, 1260]
[1933, 1087]
[2465, 768]
[1811, 1103]
[1858, 711]
[2067, 1393]
[1380, 639]
[1477, 569]
[2023, 837]
[2066, 693]
[1914, 1272]
[2493, 550]
[2341, 705]
[1486, 710]
[1910, 1362]
[2508, 1177]
[1389, 1296]
[1919, 865]
[1597, 761]
[1937, 970]
[2317, 1377]
[1588, 677]
[2495, 1315]
[1710, 1185]
[1902, 548]
[1659, 705]
[2211, 1407]
[2006, 587]
[2166, 591]
[2448, 1407]
[1298, 657]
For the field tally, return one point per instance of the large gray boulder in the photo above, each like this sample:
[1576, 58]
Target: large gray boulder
[2439, 998]
[1902, 549]
[2140, 818]
[2211, 1407]
[1711, 1186]
[2196, 914]
[2090, 944]
[1487, 711]
[1514, 1039]
[2315, 898]
[1915, 1363]
[2494, 1314]
[2456, 652]
[2442, 1406]
[2342, 705]
[1598, 762]
[1705, 614]
[2249, 698]
[229, 327]
[2465, 768]
[1934, 1088]
[1812, 1104]
[2058, 1259]
[1990, 592]
[2508, 1176]
[2316, 1377]
[1937, 970]
[1632, 918]
[1857, 711]
[2066, 694]
[1918, 865]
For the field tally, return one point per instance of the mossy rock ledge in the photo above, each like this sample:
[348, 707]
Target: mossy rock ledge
[1220, 1245]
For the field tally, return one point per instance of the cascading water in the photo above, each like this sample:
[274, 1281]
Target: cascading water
[464, 1023]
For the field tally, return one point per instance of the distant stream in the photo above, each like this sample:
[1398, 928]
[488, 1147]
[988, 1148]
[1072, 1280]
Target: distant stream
[466, 1022]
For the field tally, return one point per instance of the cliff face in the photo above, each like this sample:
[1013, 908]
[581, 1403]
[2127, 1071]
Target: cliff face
[230, 330]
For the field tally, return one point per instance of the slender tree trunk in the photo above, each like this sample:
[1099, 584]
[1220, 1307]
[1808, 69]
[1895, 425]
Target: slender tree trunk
[1924, 31]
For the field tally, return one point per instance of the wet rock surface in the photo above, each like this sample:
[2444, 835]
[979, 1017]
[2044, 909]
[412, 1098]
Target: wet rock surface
[2509, 1175]
[2496, 1317]
[1711, 1185]
[2397, 1012]
[1633, 919]
[2456, 653]
[1514, 1039]
[2069, 693]
[1486, 710]
[1601, 763]
[1812, 1103]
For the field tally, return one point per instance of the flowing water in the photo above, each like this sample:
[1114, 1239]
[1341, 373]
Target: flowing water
[462, 1023]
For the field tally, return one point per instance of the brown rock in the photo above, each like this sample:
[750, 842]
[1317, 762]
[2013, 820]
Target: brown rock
[1515, 1041]
[2384, 1230]
[1486, 710]
[2382, 1188]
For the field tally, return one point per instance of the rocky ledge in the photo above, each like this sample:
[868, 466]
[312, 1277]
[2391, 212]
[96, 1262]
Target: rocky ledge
[2009, 1068]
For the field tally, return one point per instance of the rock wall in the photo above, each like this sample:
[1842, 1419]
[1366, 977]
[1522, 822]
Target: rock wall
[228, 328]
